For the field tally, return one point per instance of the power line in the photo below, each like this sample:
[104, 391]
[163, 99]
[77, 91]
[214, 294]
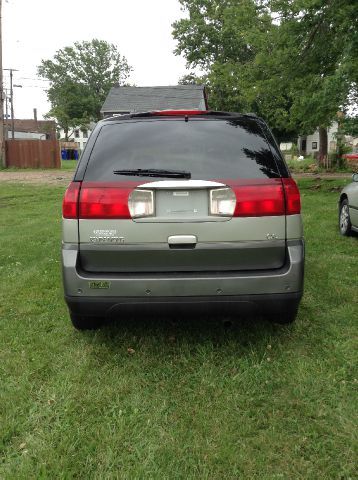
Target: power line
[36, 79]
[35, 86]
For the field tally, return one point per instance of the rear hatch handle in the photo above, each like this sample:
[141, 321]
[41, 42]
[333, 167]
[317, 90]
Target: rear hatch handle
[182, 241]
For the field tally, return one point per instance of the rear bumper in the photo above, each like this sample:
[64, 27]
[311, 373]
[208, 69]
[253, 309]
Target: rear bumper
[109, 306]
[268, 289]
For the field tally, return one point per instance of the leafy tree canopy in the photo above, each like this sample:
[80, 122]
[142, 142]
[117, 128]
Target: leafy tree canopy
[293, 62]
[80, 78]
[191, 79]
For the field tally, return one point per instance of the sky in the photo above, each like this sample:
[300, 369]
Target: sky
[33, 30]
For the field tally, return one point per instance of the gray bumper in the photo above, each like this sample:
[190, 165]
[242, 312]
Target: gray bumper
[82, 288]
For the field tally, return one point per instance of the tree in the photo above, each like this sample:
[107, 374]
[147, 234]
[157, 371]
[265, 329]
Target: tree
[323, 37]
[71, 105]
[80, 78]
[292, 62]
[191, 79]
[231, 41]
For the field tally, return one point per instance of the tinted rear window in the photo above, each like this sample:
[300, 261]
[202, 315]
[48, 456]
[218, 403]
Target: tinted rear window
[208, 149]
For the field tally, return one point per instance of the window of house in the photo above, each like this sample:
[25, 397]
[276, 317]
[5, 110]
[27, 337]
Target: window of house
[77, 133]
[85, 133]
[314, 145]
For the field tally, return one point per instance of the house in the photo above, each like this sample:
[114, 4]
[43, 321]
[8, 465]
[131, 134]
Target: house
[78, 136]
[309, 144]
[28, 129]
[121, 100]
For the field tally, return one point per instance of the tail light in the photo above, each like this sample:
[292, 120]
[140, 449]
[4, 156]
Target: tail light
[141, 203]
[292, 194]
[222, 202]
[257, 199]
[104, 202]
[70, 200]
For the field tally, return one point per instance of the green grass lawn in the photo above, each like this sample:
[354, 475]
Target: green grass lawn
[193, 399]
[69, 164]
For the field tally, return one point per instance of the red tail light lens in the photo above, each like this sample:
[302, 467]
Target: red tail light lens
[104, 202]
[70, 200]
[259, 200]
[293, 198]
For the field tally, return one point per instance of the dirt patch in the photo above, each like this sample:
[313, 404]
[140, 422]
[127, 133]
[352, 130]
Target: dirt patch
[322, 176]
[63, 177]
[55, 177]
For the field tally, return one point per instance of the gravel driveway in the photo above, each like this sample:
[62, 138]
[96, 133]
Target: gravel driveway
[63, 177]
[51, 177]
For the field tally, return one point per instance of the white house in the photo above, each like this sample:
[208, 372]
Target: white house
[309, 144]
[78, 135]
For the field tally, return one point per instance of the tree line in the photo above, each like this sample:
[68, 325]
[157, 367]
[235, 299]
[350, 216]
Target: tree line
[292, 62]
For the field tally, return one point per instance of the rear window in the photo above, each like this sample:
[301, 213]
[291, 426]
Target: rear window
[208, 149]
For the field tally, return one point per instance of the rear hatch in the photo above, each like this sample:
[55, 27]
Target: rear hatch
[140, 212]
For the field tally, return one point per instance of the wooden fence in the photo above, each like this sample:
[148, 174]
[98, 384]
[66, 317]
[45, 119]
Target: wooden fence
[33, 153]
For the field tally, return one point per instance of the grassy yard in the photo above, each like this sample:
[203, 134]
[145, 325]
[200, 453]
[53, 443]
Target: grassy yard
[68, 164]
[175, 398]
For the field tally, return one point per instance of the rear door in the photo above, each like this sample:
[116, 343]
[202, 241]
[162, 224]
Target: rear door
[183, 230]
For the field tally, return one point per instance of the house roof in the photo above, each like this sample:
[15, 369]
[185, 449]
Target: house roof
[142, 99]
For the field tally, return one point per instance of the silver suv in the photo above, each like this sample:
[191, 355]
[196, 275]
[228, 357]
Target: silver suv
[182, 209]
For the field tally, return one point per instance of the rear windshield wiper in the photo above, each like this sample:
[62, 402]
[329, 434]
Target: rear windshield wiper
[153, 172]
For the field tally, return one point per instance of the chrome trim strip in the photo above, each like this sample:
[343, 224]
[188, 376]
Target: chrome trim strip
[186, 184]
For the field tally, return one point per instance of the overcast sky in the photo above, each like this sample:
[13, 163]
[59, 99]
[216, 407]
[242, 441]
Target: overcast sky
[34, 29]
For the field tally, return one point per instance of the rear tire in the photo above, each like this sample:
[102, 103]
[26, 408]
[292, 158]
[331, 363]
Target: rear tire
[84, 322]
[345, 226]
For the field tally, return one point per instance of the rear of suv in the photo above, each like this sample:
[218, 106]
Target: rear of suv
[182, 208]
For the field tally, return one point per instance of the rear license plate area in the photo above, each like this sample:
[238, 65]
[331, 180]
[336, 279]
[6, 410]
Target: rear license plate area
[188, 204]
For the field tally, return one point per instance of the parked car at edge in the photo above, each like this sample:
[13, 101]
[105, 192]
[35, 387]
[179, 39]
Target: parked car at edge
[348, 208]
[182, 208]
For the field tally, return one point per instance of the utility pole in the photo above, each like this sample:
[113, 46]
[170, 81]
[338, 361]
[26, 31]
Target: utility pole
[6, 114]
[2, 142]
[12, 107]
[12, 100]
[6, 104]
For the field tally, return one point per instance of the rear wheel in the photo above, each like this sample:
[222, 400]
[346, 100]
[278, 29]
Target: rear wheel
[345, 226]
[85, 322]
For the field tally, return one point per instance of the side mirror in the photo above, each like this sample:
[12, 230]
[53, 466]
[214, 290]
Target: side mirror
[355, 177]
